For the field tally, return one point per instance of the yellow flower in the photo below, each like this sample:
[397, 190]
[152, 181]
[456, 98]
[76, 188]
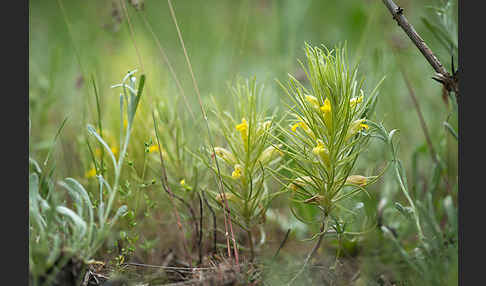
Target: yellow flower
[354, 101]
[357, 180]
[114, 150]
[326, 108]
[321, 151]
[312, 100]
[364, 126]
[304, 126]
[243, 128]
[110, 140]
[225, 154]
[90, 173]
[153, 148]
[125, 123]
[237, 173]
[355, 127]
[184, 185]
[295, 126]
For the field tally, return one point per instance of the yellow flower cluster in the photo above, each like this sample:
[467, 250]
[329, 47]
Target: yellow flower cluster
[243, 128]
[238, 172]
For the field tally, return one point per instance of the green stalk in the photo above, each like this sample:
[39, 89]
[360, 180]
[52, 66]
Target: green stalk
[250, 241]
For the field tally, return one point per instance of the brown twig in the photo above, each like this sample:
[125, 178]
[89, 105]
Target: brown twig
[199, 243]
[450, 82]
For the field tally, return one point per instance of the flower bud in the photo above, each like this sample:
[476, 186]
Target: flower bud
[229, 197]
[355, 127]
[357, 180]
[225, 154]
[299, 182]
[270, 153]
[326, 109]
[312, 100]
[321, 151]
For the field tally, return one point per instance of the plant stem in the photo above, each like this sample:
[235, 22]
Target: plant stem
[200, 227]
[410, 201]
[420, 115]
[215, 230]
[250, 241]
[313, 251]
[282, 244]
[118, 168]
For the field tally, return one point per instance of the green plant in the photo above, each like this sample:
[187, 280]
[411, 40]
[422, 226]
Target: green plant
[432, 257]
[247, 154]
[60, 232]
[329, 130]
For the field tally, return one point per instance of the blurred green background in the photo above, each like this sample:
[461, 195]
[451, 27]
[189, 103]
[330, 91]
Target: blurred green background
[72, 41]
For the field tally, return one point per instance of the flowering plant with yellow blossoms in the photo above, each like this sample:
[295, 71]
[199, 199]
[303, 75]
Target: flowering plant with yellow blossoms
[330, 128]
[244, 156]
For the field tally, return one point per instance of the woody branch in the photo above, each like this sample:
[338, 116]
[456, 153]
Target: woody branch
[450, 82]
